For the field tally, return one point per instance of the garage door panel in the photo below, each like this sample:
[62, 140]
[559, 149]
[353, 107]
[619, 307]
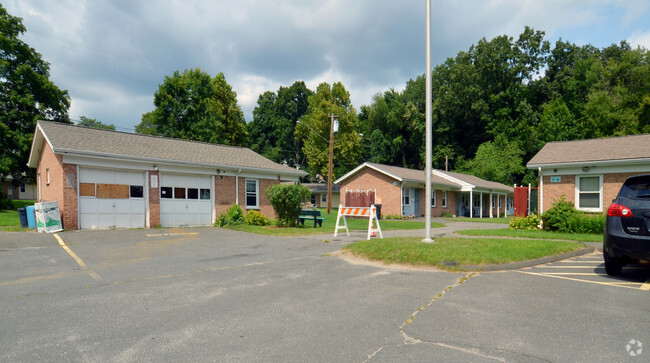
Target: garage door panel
[117, 210]
[181, 209]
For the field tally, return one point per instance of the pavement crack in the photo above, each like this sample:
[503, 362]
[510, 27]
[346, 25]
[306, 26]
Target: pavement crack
[410, 340]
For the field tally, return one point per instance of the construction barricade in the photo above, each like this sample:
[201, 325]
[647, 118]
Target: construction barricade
[365, 212]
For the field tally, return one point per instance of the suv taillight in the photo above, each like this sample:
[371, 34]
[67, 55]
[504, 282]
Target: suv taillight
[618, 210]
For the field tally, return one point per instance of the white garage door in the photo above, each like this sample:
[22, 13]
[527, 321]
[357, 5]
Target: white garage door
[185, 200]
[111, 199]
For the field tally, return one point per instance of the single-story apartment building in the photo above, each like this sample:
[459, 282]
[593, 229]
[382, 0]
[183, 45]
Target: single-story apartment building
[19, 191]
[319, 194]
[401, 191]
[589, 173]
[109, 179]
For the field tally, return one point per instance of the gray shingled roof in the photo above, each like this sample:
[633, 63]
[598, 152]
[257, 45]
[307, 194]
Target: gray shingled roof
[411, 174]
[66, 138]
[481, 183]
[593, 150]
[321, 188]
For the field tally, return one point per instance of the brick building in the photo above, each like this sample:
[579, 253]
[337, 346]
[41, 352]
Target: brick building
[401, 191]
[589, 173]
[108, 179]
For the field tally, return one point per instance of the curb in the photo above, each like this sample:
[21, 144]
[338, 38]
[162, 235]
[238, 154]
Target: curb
[527, 263]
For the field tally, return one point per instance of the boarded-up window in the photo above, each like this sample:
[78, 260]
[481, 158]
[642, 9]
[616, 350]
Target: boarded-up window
[87, 189]
[112, 191]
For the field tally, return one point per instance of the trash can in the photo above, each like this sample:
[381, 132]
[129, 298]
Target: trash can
[31, 218]
[22, 213]
[378, 206]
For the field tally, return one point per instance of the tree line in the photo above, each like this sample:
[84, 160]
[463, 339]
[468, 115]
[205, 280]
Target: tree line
[494, 106]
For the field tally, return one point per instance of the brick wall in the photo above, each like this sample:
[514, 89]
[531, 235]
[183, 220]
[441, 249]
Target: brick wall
[69, 208]
[611, 185]
[389, 194]
[154, 200]
[225, 194]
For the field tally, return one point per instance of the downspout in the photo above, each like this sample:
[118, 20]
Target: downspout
[471, 203]
[540, 208]
[237, 186]
[78, 200]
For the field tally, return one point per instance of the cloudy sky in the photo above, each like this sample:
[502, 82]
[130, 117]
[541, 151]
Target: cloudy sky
[112, 55]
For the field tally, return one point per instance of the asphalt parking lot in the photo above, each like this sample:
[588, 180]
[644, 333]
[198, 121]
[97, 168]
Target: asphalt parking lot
[205, 294]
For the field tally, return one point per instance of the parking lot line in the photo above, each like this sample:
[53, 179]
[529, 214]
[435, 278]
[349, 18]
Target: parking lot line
[76, 258]
[617, 284]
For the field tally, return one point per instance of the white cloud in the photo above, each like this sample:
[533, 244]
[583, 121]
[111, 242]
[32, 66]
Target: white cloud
[640, 39]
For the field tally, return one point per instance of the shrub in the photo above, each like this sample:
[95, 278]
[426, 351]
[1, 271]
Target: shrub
[286, 200]
[530, 222]
[563, 217]
[234, 215]
[447, 215]
[555, 219]
[255, 218]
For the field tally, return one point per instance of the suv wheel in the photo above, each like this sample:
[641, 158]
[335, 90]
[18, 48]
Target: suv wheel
[613, 265]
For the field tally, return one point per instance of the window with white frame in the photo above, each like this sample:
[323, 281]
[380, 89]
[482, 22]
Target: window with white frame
[589, 190]
[406, 198]
[47, 176]
[323, 198]
[433, 198]
[252, 188]
[444, 199]
[22, 187]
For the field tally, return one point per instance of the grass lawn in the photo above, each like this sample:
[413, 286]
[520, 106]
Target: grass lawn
[9, 217]
[505, 220]
[504, 232]
[454, 253]
[329, 224]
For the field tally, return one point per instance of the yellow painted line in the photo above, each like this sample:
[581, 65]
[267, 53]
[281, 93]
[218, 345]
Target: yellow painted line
[80, 262]
[567, 266]
[646, 286]
[570, 279]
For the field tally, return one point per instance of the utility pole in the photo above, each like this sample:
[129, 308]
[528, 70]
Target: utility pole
[329, 174]
[428, 171]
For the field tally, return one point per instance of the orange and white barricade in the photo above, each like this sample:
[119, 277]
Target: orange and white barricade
[367, 212]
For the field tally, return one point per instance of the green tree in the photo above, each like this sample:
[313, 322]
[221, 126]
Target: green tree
[271, 133]
[91, 122]
[146, 126]
[286, 200]
[314, 131]
[193, 106]
[499, 161]
[26, 95]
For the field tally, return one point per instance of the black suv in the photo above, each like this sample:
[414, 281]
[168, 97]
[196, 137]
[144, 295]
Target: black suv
[627, 227]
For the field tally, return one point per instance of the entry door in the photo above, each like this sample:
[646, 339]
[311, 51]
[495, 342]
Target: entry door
[185, 200]
[416, 202]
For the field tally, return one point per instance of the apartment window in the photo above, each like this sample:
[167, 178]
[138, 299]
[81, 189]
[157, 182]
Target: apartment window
[444, 199]
[252, 188]
[323, 198]
[589, 193]
[313, 199]
[406, 197]
[22, 187]
[433, 198]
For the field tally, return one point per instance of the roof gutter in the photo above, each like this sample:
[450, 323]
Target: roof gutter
[177, 162]
[593, 162]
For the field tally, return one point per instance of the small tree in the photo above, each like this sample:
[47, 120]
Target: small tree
[286, 201]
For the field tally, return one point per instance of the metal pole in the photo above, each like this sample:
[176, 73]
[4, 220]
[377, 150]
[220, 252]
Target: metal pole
[329, 174]
[427, 214]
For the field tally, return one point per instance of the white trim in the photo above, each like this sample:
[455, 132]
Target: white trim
[444, 202]
[590, 163]
[600, 192]
[434, 203]
[257, 194]
[78, 200]
[353, 171]
[464, 186]
[213, 197]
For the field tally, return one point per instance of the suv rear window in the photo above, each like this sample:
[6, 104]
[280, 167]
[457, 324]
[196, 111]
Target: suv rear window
[636, 188]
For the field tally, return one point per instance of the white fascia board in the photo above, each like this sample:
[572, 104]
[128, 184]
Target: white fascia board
[593, 168]
[582, 164]
[37, 142]
[109, 158]
[355, 170]
[464, 186]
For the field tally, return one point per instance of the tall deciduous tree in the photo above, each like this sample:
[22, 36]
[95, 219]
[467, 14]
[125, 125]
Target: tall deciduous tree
[314, 131]
[271, 133]
[26, 95]
[194, 106]
[91, 122]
